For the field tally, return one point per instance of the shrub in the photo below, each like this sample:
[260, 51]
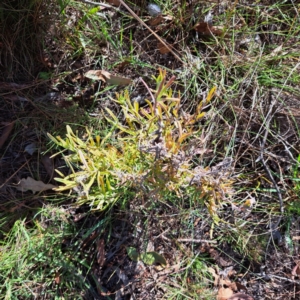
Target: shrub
[154, 155]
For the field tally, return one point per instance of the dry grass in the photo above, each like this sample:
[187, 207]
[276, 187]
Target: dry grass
[22, 27]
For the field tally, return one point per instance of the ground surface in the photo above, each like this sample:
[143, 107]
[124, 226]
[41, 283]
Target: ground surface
[249, 134]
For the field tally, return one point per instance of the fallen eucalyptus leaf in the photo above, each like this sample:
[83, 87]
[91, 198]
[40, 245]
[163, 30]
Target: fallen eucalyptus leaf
[29, 184]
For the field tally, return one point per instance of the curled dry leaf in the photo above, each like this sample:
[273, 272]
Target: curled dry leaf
[95, 75]
[29, 184]
[227, 289]
[107, 77]
[215, 275]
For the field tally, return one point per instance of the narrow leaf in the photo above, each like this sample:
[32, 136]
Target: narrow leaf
[211, 94]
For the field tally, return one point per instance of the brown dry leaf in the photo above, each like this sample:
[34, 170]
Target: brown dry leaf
[107, 77]
[215, 275]
[197, 221]
[240, 286]
[240, 296]
[216, 256]
[225, 282]
[114, 2]
[90, 238]
[233, 286]
[95, 75]
[156, 21]
[6, 131]
[100, 252]
[224, 293]
[296, 270]
[162, 48]
[205, 28]
[30, 184]
[57, 278]
[236, 286]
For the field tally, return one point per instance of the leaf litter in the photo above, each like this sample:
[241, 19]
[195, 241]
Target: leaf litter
[30, 184]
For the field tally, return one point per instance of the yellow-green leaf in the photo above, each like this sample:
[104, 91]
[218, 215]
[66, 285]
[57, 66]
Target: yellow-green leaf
[201, 115]
[132, 253]
[136, 107]
[151, 258]
[211, 94]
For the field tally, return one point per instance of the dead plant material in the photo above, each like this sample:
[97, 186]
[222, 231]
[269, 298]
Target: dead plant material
[22, 25]
[6, 132]
[30, 184]
[154, 33]
[101, 252]
[207, 29]
[107, 77]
